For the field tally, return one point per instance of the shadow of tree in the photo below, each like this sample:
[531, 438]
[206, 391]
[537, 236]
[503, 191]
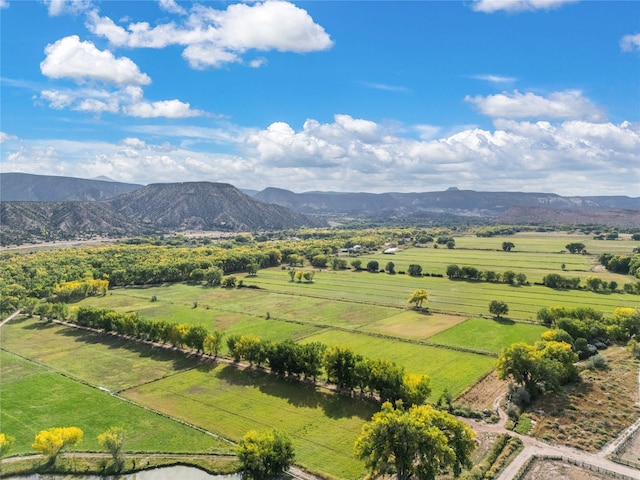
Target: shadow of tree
[504, 321]
[180, 360]
[300, 394]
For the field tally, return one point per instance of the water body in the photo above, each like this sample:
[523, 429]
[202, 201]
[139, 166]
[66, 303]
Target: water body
[177, 472]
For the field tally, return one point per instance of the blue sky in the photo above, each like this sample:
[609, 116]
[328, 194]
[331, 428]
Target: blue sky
[492, 95]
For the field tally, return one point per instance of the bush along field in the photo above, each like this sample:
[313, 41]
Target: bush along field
[306, 334]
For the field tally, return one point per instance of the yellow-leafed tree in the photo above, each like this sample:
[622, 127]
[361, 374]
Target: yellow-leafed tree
[418, 297]
[6, 442]
[113, 441]
[52, 442]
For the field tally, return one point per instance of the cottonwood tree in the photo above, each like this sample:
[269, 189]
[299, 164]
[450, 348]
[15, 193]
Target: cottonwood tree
[415, 270]
[113, 442]
[418, 297]
[507, 246]
[575, 247]
[6, 443]
[340, 366]
[265, 455]
[498, 308]
[420, 442]
[540, 367]
[195, 337]
[213, 342]
[52, 442]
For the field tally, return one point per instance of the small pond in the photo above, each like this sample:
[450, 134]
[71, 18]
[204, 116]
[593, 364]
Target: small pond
[177, 472]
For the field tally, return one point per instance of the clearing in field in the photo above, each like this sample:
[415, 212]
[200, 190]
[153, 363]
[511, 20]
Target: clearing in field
[414, 325]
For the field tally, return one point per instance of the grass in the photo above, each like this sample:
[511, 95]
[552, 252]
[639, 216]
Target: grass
[489, 335]
[411, 324]
[447, 368]
[101, 360]
[323, 425]
[366, 311]
[35, 398]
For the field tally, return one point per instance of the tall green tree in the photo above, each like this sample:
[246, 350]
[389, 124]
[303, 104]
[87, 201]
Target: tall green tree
[340, 365]
[265, 455]
[507, 246]
[540, 367]
[498, 308]
[195, 337]
[421, 442]
[213, 343]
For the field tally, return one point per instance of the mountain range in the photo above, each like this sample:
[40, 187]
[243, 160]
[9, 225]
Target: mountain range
[37, 207]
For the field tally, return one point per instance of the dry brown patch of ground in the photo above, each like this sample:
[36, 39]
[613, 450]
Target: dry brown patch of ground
[589, 414]
[552, 470]
[631, 452]
[481, 395]
[415, 325]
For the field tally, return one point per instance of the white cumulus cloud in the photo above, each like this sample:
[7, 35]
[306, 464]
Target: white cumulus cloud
[630, 42]
[64, 7]
[570, 104]
[5, 137]
[172, 7]
[71, 58]
[164, 108]
[490, 6]
[570, 157]
[214, 37]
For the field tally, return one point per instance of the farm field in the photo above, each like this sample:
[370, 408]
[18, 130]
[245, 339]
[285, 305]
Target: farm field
[450, 369]
[490, 335]
[35, 398]
[452, 340]
[323, 425]
[100, 360]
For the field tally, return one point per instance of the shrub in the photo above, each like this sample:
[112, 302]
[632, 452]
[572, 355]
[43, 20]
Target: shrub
[597, 362]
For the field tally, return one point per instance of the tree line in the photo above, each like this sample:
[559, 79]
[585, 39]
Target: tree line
[343, 367]
[467, 272]
[349, 371]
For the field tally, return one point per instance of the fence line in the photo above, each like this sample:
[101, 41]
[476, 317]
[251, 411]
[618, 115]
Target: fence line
[571, 461]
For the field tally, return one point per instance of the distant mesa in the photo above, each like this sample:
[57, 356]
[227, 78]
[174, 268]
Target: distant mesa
[43, 207]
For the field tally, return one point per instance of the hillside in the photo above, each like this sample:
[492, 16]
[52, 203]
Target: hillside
[24, 187]
[467, 203]
[615, 218]
[158, 208]
[205, 206]
[26, 222]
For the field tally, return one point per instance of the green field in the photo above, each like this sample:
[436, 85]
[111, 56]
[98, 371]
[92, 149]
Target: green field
[35, 398]
[453, 341]
[323, 426]
[489, 335]
[100, 360]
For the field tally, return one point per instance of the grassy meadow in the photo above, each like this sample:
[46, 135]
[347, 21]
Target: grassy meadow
[35, 398]
[50, 373]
